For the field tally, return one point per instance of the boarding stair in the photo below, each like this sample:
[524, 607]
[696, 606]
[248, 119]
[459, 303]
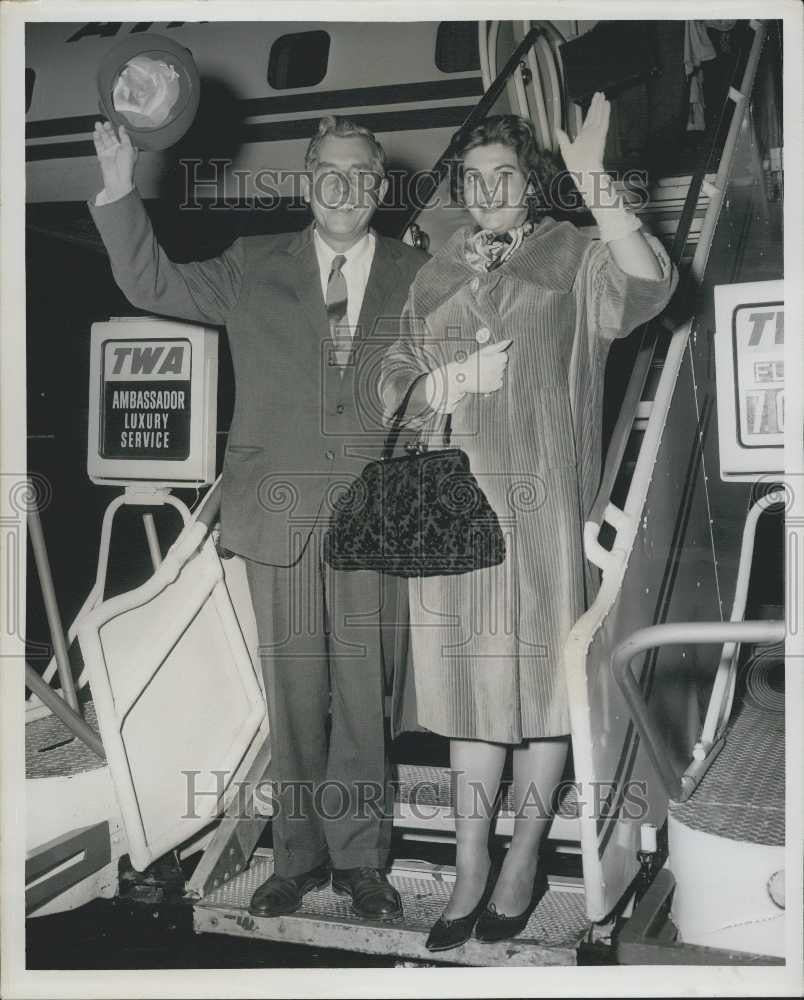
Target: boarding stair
[586, 899]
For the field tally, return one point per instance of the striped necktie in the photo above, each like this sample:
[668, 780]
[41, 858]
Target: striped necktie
[337, 303]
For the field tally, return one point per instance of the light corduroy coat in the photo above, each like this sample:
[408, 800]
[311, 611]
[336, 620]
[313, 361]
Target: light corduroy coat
[486, 646]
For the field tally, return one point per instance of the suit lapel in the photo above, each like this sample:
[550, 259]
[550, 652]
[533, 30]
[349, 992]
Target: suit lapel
[381, 276]
[307, 281]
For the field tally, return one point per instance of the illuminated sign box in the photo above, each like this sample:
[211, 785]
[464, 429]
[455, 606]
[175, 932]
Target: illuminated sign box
[152, 402]
[749, 358]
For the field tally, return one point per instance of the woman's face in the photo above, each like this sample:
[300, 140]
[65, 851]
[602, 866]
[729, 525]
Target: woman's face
[494, 187]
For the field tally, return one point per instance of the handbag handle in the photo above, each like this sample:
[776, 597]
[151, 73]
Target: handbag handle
[399, 414]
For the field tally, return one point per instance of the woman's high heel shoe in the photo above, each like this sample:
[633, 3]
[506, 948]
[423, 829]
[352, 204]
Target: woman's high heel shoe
[446, 934]
[493, 926]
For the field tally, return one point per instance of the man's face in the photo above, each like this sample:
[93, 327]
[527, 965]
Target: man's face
[344, 190]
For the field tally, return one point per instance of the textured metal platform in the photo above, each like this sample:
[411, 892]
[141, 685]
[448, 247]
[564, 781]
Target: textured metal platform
[51, 750]
[741, 796]
[422, 802]
[326, 920]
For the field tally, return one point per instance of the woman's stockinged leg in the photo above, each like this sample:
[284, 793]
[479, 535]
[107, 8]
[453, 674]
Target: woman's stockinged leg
[538, 767]
[477, 768]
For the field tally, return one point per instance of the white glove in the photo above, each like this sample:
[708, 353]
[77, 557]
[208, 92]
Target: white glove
[584, 160]
[481, 372]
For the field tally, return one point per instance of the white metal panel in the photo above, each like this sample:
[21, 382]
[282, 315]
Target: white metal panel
[178, 701]
[741, 915]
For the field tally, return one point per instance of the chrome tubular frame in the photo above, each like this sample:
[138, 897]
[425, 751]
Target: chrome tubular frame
[678, 788]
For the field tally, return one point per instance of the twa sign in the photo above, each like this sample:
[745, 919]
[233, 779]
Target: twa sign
[749, 356]
[153, 391]
[131, 359]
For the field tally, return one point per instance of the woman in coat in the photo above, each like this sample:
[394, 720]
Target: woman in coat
[508, 330]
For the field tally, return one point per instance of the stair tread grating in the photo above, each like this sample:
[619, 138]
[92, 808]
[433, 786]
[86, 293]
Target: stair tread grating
[51, 750]
[559, 920]
[424, 785]
[742, 795]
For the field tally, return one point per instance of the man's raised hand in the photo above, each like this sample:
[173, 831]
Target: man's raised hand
[117, 157]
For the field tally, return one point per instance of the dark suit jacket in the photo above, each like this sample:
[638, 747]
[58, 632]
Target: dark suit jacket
[302, 426]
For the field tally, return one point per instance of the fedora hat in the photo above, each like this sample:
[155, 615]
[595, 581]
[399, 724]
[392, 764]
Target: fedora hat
[150, 84]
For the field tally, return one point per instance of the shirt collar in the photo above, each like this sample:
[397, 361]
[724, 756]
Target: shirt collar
[354, 255]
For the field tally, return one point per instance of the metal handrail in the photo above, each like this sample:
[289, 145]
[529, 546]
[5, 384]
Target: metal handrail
[45, 574]
[688, 279]
[677, 787]
[211, 504]
[59, 707]
[643, 361]
[65, 708]
[477, 114]
[720, 699]
[625, 422]
[542, 118]
[95, 596]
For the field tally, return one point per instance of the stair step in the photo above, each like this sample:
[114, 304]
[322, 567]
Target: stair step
[742, 795]
[423, 804]
[52, 750]
[551, 937]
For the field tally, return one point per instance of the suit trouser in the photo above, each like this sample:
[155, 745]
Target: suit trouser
[321, 647]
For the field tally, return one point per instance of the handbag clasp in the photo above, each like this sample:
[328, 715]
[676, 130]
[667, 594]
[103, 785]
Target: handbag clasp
[417, 447]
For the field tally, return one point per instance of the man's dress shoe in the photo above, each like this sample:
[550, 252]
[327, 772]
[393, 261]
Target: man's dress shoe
[493, 926]
[372, 894]
[446, 933]
[282, 894]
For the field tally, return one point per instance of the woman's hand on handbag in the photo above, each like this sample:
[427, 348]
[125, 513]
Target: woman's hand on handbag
[482, 372]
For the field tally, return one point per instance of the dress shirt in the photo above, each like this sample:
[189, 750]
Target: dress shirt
[355, 270]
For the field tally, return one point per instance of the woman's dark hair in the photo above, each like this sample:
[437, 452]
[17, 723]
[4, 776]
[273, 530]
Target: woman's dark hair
[540, 166]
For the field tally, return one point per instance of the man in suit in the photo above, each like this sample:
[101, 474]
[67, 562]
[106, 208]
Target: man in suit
[307, 316]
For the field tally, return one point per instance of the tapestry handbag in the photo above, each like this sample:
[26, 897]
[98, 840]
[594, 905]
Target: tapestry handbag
[418, 514]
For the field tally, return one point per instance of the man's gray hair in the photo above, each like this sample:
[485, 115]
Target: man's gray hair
[344, 128]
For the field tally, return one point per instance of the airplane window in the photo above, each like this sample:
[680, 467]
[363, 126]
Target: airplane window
[456, 47]
[298, 60]
[30, 80]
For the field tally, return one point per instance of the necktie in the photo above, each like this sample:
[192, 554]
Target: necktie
[337, 302]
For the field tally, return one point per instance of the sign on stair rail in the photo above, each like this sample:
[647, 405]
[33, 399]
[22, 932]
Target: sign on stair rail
[152, 402]
[749, 357]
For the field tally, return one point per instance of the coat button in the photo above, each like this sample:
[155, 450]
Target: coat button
[340, 408]
[330, 454]
[483, 335]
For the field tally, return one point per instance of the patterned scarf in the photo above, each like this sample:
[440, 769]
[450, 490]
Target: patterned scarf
[486, 249]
